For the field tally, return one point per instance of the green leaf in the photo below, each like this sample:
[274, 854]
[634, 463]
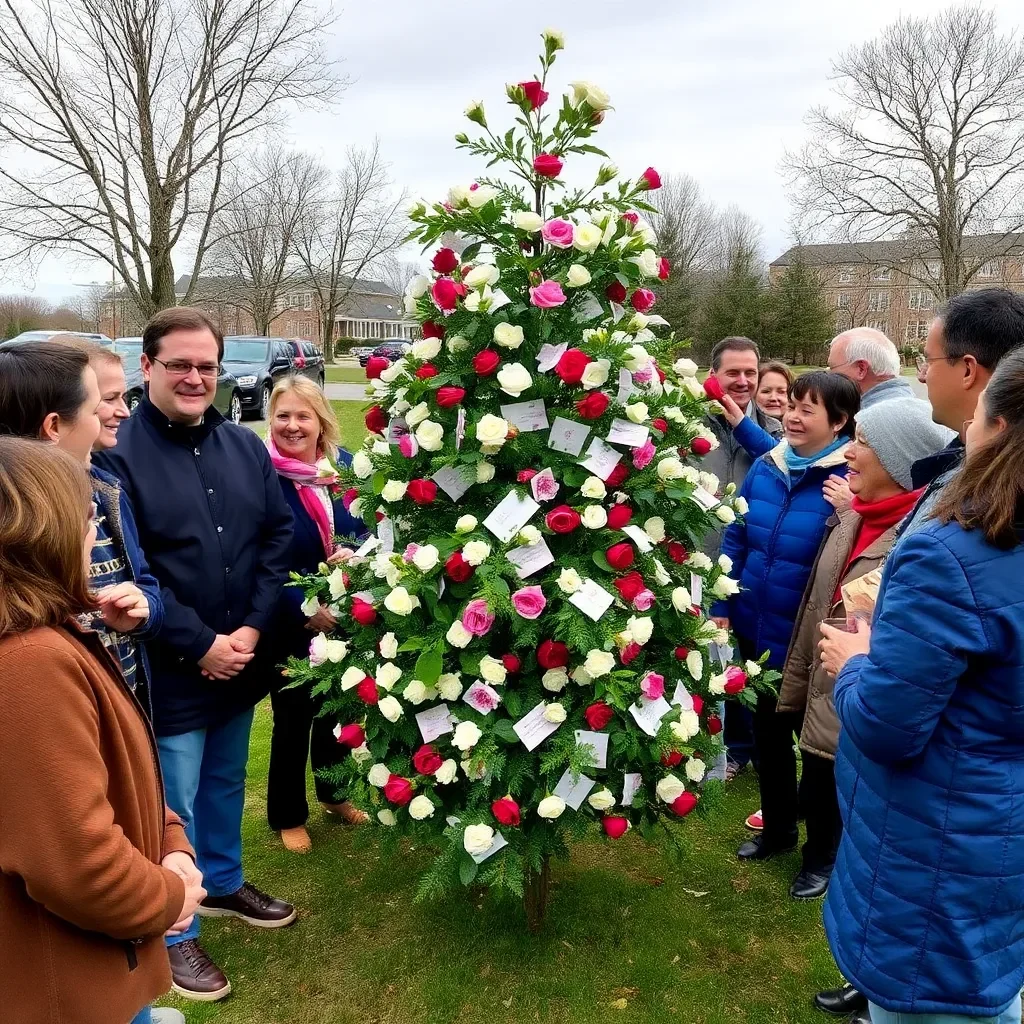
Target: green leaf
[601, 561]
[413, 644]
[471, 252]
[428, 666]
[379, 480]
[504, 731]
[467, 870]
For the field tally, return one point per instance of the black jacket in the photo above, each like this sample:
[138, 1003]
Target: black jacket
[216, 531]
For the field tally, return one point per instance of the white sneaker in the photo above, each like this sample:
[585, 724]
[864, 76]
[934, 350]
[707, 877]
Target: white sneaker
[167, 1015]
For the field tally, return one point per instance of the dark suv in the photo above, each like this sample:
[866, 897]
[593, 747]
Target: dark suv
[258, 363]
[392, 350]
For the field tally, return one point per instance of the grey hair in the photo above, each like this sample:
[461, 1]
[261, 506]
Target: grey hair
[865, 344]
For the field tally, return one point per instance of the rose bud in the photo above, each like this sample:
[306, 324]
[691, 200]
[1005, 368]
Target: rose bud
[571, 365]
[672, 758]
[457, 568]
[348, 497]
[714, 725]
[506, 810]
[366, 691]
[485, 362]
[683, 804]
[598, 715]
[562, 519]
[620, 556]
[617, 477]
[376, 420]
[713, 388]
[630, 652]
[398, 790]
[616, 292]
[512, 663]
[619, 516]
[593, 406]
[643, 299]
[682, 652]
[615, 825]
[351, 735]
[677, 552]
[363, 612]
[448, 396]
[445, 261]
[547, 165]
[698, 703]
[700, 446]
[426, 371]
[629, 585]
[735, 680]
[525, 475]
[552, 654]
[422, 491]
[429, 329]
[660, 424]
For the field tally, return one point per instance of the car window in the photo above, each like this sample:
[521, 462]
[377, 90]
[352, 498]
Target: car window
[245, 350]
[282, 350]
[309, 350]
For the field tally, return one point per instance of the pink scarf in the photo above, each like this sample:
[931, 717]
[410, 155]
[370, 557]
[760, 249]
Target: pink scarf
[313, 492]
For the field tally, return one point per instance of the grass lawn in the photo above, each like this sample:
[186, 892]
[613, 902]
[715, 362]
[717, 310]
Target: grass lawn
[628, 937]
[346, 375]
[350, 420]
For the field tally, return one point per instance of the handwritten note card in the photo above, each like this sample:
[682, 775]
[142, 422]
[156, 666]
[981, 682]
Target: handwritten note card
[682, 697]
[366, 547]
[567, 436]
[592, 599]
[510, 515]
[639, 538]
[599, 742]
[628, 433]
[386, 533]
[704, 498]
[530, 558]
[547, 358]
[455, 481]
[435, 722]
[527, 416]
[649, 713]
[573, 793]
[722, 653]
[499, 842]
[696, 588]
[626, 387]
[601, 459]
[460, 428]
[631, 782]
[533, 728]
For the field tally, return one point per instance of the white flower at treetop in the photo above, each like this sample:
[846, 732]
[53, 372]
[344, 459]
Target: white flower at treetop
[593, 487]
[696, 769]
[465, 524]
[648, 263]
[481, 196]
[598, 663]
[421, 807]
[418, 287]
[492, 670]
[725, 587]
[660, 574]
[394, 490]
[594, 517]
[594, 96]
[569, 581]
[514, 379]
[555, 679]
[681, 599]
[655, 529]
[387, 675]
[753, 669]
[386, 816]
[391, 373]
[477, 839]
[458, 635]
[641, 628]
[554, 713]
[716, 684]
[725, 514]
[699, 561]
[416, 692]
[458, 195]
[447, 772]
[379, 775]
[673, 413]
[484, 472]
[637, 412]
[527, 220]
[550, 807]
[476, 551]
[695, 665]
[693, 387]
[741, 506]
[426, 557]
[670, 469]
[554, 38]
[595, 373]
[352, 677]
[457, 343]
[480, 275]
[361, 754]
[645, 232]
[361, 465]
[491, 429]
[390, 708]
[400, 601]
[310, 607]
[725, 563]
[417, 414]
[426, 348]
[580, 676]
[577, 275]
[530, 535]
[669, 789]
[430, 436]
[687, 727]
[380, 448]
[410, 305]
[467, 735]
[601, 800]
[318, 648]
[508, 335]
[449, 687]
[586, 238]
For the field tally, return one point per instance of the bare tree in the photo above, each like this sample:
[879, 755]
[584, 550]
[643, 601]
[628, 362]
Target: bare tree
[927, 145]
[353, 227]
[257, 230]
[20, 313]
[396, 274]
[128, 113]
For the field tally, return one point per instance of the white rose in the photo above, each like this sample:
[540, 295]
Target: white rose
[554, 713]
[698, 560]
[458, 195]
[361, 465]
[477, 839]
[674, 413]
[491, 429]
[725, 514]
[336, 583]
[594, 517]
[637, 412]
[741, 506]
[725, 587]
[474, 770]
[669, 789]
[465, 524]
[426, 557]
[430, 436]
[578, 275]
[484, 472]
[636, 357]
[593, 487]
[550, 807]
[309, 608]
[695, 665]
[410, 305]
[530, 535]
[484, 274]
[648, 263]
[601, 800]
[554, 38]
[449, 687]
[356, 509]
[598, 663]
[394, 371]
[417, 414]
[687, 727]
[446, 773]
[693, 387]
[386, 816]
[379, 775]
[638, 321]
[418, 286]
[709, 481]
[416, 692]
[569, 581]
[387, 675]
[361, 754]
[394, 490]
[508, 335]
[481, 196]
[399, 601]
[641, 629]
[645, 233]
[467, 735]
[660, 574]
[669, 469]
[514, 379]
[390, 708]
[420, 807]
[580, 676]
[753, 669]
[595, 373]
[426, 348]
[352, 677]
[725, 563]
[527, 220]
[476, 552]
[457, 343]
[586, 238]
[492, 670]
[655, 529]
[458, 635]
[696, 769]
[716, 684]
[681, 599]
[555, 679]
[381, 448]
[594, 96]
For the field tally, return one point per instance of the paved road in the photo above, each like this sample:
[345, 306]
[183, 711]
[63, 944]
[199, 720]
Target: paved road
[919, 389]
[346, 392]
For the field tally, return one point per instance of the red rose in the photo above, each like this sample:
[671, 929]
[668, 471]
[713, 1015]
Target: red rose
[617, 476]
[615, 825]
[423, 492]
[537, 98]
[506, 810]
[363, 612]
[652, 177]
[376, 420]
[445, 261]
[620, 556]
[486, 361]
[598, 715]
[714, 725]
[524, 476]
[682, 652]
[677, 552]
[630, 653]
[700, 446]
[429, 329]
[366, 691]
[664, 268]
[713, 388]
[511, 662]
[643, 299]
[571, 366]
[671, 759]
[547, 165]
[659, 424]
[630, 218]
[593, 405]
[445, 294]
[619, 516]
[348, 497]
[552, 654]
[683, 804]
[448, 396]
[562, 519]
[616, 292]
[458, 568]
[630, 585]
[427, 760]
[375, 366]
[735, 680]
[698, 703]
[351, 736]
[398, 790]
[426, 371]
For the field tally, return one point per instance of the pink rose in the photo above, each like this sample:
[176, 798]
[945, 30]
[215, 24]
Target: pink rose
[547, 295]
[477, 618]
[410, 552]
[557, 232]
[643, 455]
[408, 445]
[544, 485]
[643, 601]
[529, 602]
[652, 686]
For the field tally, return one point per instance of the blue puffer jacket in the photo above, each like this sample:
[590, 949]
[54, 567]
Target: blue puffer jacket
[774, 548]
[925, 910]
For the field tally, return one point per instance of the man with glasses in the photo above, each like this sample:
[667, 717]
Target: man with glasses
[216, 529]
[871, 361]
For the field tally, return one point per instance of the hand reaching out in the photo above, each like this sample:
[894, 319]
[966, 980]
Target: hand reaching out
[123, 606]
[322, 622]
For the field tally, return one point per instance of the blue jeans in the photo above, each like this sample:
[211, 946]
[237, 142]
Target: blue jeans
[1011, 1015]
[204, 779]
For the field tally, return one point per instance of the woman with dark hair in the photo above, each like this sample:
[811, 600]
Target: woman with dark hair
[925, 913]
[772, 552]
[94, 869]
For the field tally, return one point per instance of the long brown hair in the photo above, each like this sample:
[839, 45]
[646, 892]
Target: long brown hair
[44, 506]
[988, 493]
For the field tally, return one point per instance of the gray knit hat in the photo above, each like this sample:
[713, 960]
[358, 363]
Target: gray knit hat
[900, 431]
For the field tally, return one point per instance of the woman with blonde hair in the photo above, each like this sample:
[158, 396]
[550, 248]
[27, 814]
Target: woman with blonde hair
[303, 434]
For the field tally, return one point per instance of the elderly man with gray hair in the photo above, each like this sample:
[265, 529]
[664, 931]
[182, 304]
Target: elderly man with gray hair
[872, 362]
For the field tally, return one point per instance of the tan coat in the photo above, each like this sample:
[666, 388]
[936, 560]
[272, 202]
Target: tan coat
[806, 686]
[84, 901]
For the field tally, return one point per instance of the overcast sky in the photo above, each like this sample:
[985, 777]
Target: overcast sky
[714, 88]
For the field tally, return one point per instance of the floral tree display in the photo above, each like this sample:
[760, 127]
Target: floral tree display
[524, 651]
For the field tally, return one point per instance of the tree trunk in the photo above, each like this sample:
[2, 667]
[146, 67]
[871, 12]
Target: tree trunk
[535, 896]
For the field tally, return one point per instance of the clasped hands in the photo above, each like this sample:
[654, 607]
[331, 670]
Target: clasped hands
[185, 868]
[230, 653]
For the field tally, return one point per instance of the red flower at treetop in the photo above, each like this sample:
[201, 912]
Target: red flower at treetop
[534, 93]
[422, 491]
[429, 329]
[643, 299]
[506, 810]
[653, 179]
[375, 366]
[449, 395]
[376, 420]
[351, 735]
[547, 165]
[445, 260]
[664, 268]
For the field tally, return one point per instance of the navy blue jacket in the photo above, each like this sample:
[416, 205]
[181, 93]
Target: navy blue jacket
[925, 909]
[774, 548]
[216, 530]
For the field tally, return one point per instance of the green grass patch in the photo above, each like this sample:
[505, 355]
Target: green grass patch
[346, 375]
[710, 942]
[351, 417]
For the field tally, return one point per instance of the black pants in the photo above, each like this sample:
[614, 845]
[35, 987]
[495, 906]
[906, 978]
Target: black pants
[299, 735]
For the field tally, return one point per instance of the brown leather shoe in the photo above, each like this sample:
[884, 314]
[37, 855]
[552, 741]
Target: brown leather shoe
[250, 905]
[195, 976]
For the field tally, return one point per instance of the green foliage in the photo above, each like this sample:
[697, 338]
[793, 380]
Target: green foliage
[800, 321]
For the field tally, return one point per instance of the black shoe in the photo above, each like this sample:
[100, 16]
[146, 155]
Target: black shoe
[864, 1017]
[250, 905]
[841, 1001]
[810, 885]
[756, 849]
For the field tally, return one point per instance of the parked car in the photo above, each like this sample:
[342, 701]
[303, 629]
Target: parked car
[361, 352]
[259, 363]
[392, 350]
[99, 339]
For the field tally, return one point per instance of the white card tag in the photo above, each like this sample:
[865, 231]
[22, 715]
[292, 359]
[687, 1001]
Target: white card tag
[597, 740]
[544, 486]
[386, 533]
[481, 697]
[435, 722]
[510, 515]
[460, 428]
[601, 459]
[567, 436]
[527, 416]
[530, 558]
[631, 782]
[499, 842]
[588, 309]
[397, 429]
[455, 481]
[618, 312]
[696, 588]
[573, 793]
[638, 537]
[649, 713]
[366, 547]
[626, 432]
[592, 599]
[547, 358]
[682, 697]
[453, 820]
[722, 652]
[626, 387]
[704, 498]
[533, 728]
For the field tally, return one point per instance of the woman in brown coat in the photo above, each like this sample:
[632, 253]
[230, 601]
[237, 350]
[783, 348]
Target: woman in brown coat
[93, 868]
[890, 437]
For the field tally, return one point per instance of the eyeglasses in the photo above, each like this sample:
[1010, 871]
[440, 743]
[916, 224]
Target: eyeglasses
[923, 360]
[182, 368]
